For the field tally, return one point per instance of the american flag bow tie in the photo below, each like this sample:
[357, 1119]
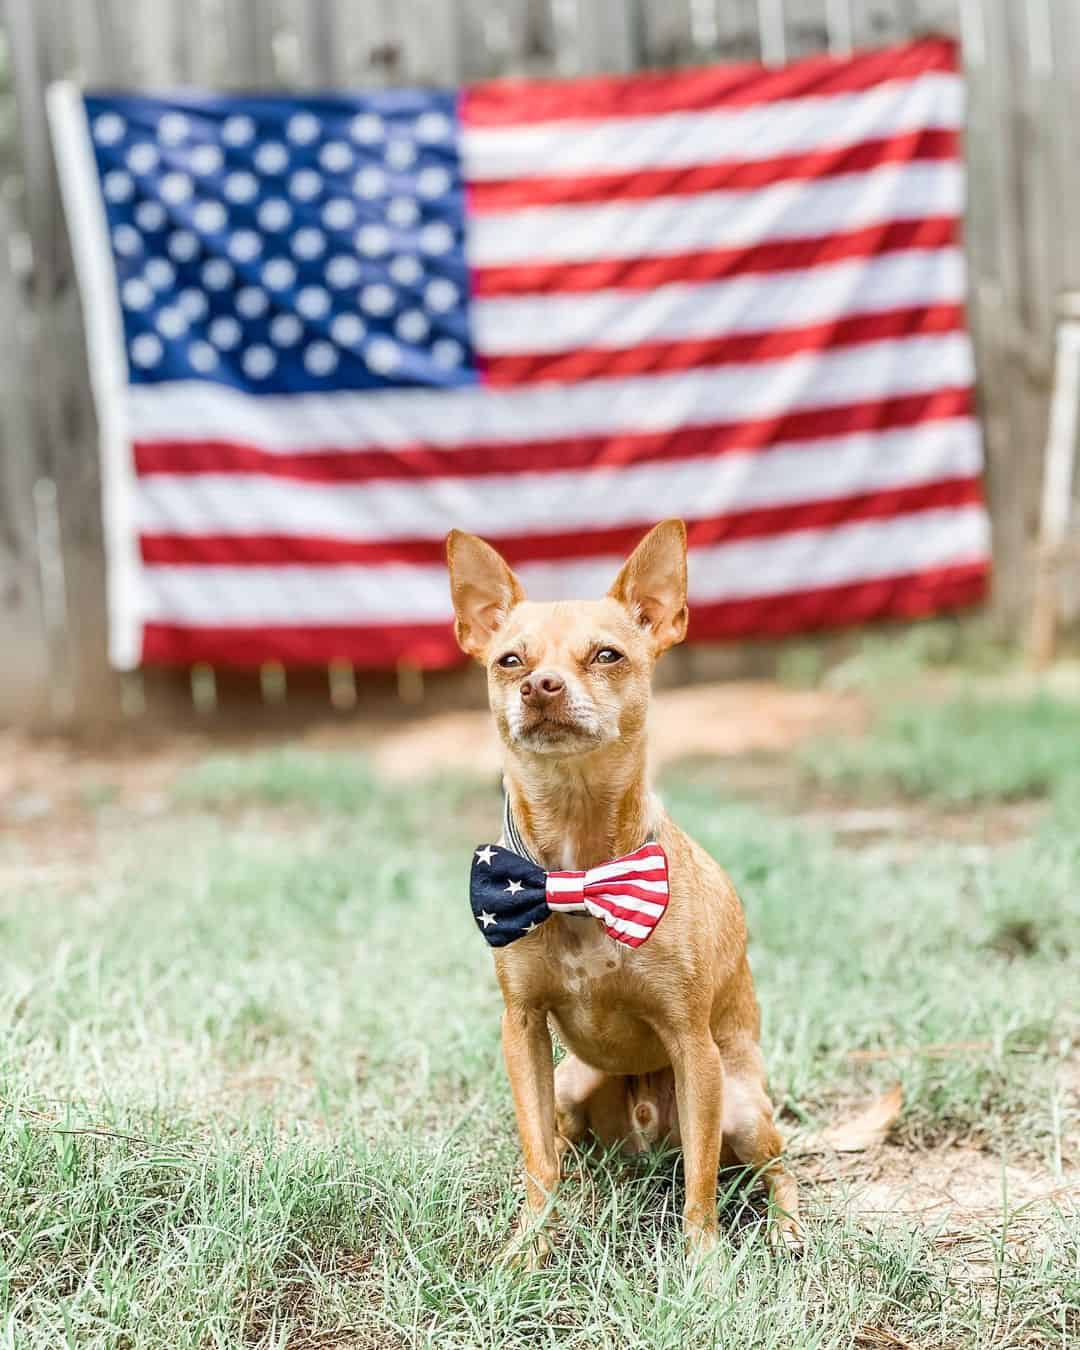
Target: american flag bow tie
[511, 895]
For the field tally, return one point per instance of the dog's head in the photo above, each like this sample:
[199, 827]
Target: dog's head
[567, 677]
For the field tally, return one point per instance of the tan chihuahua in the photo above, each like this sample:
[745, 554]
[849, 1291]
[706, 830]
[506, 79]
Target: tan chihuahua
[661, 1038]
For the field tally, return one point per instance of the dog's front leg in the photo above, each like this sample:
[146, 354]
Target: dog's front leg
[527, 1051]
[699, 1091]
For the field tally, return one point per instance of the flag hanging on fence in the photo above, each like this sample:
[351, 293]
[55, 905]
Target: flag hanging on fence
[325, 329]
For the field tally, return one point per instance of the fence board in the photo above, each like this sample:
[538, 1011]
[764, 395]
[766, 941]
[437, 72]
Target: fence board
[1023, 65]
[249, 43]
[25, 684]
[607, 35]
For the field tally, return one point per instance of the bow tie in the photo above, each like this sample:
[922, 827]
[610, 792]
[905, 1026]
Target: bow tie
[511, 895]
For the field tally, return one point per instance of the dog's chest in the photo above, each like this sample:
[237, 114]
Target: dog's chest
[596, 998]
[582, 957]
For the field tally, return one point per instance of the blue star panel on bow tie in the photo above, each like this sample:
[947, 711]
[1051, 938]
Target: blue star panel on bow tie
[508, 894]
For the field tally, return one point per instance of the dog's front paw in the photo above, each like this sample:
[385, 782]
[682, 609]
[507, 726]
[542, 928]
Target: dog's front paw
[530, 1246]
[785, 1234]
[703, 1254]
[526, 1255]
[701, 1240]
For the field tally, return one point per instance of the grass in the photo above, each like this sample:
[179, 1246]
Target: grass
[964, 751]
[250, 1089]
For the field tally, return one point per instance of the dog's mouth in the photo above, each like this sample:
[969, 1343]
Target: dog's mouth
[547, 734]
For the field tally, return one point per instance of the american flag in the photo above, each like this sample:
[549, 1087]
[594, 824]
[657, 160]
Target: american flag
[325, 329]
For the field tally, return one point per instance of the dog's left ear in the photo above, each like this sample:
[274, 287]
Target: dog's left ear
[483, 588]
[652, 584]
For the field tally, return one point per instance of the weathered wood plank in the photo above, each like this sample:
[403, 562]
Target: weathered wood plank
[772, 25]
[317, 26]
[607, 35]
[58, 395]
[249, 42]
[26, 674]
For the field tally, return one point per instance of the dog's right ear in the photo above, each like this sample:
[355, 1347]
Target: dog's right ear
[483, 588]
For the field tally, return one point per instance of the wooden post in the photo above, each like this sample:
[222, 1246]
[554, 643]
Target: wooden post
[1059, 464]
[342, 678]
[410, 681]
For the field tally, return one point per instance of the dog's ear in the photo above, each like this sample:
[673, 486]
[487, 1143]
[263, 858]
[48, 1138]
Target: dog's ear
[483, 588]
[652, 584]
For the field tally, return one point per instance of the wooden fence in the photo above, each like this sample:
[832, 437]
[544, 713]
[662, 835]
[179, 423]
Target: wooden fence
[1022, 61]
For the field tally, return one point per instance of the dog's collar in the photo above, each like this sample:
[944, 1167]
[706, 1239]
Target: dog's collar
[512, 834]
[516, 843]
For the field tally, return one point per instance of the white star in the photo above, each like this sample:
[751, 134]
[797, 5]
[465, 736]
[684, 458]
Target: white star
[485, 854]
[530, 928]
[514, 886]
[487, 919]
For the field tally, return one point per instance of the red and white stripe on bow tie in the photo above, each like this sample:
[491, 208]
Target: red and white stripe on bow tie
[628, 895]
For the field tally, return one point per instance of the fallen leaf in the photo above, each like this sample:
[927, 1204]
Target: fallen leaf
[868, 1127]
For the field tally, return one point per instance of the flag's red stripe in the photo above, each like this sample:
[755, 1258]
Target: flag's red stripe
[777, 255]
[654, 358]
[500, 103]
[260, 550]
[583, 452]
[912, 596]
[432, 645]
[928, 143]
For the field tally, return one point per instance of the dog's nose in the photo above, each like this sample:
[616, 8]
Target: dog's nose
[542, 687]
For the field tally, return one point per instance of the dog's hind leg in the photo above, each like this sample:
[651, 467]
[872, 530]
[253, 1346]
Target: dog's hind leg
[751, 1138]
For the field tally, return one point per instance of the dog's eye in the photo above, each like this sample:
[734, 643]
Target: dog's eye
[607, 656]
[509, 661]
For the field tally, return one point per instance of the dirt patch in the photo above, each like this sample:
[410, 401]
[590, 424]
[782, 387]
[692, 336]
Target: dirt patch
[54, 792]
[954, 1187]
[714, 720]
[52, 778]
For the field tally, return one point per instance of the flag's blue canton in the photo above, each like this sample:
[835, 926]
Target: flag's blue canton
[285, 244]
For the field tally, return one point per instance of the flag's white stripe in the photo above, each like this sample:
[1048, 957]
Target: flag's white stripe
[197, 411]
[613, 318]
[662, 226]
[784, 127]
[88, 230]
[524, 503]
[774, 565]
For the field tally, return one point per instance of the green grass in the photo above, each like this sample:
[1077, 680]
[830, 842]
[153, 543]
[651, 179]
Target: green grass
[962, 751]
[250, 1089]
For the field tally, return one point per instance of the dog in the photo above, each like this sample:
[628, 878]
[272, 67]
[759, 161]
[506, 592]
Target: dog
[662, 1037]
